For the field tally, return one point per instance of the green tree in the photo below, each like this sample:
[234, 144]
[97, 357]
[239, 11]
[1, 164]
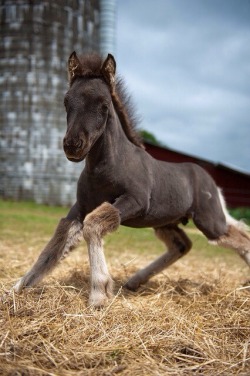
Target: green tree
[150, 138]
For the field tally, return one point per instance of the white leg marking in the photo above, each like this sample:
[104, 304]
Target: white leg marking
[101, 282]
[74, 237]
[235, 239]
[102, 220]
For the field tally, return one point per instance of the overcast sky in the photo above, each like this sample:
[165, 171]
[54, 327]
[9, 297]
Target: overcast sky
[187, 65]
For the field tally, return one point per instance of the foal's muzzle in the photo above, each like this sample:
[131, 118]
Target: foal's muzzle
[74, 149]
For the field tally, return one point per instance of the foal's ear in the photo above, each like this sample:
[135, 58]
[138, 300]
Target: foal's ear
[73, 66]
[108, 70]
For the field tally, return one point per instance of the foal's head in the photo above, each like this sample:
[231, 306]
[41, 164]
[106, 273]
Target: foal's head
[87, 103]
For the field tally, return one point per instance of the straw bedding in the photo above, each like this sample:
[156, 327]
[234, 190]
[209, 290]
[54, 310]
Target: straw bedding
[194, 319]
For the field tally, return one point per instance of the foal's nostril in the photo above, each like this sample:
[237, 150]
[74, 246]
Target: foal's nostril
[72, 143]
[79, 144]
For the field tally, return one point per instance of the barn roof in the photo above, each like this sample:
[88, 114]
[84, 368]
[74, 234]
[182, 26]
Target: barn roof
[186, 156]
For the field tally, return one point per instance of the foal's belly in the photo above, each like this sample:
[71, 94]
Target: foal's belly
[164, 210]
[155, 222]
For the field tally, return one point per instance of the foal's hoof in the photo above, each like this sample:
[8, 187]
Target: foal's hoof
[98, 304]
[18, 287]
[132, 284]
[101, 293]
[97, 300]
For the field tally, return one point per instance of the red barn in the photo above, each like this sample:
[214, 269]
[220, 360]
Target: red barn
[234, 183]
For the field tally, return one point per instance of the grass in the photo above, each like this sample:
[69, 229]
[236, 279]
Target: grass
[191, 319]
[241, 213]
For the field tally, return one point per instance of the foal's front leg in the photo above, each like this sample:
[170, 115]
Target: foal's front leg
[104, 219]
[66, 237]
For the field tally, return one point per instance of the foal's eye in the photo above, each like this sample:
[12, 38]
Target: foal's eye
[104, 108]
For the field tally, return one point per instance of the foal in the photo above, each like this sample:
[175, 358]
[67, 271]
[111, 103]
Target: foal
[122, 184]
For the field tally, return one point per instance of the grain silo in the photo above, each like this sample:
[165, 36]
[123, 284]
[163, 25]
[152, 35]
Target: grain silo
[36, 39]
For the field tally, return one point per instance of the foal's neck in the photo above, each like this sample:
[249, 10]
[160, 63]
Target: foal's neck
[111, 147]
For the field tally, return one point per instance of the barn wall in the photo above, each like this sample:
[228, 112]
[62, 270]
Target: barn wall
[235, 186]
[36, 39]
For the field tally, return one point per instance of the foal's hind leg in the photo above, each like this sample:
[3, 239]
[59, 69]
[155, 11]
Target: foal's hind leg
[235, 239]
[213, 219]
[178, 245]
[66, 237]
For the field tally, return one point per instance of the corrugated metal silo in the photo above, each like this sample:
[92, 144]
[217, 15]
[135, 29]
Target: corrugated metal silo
[36, 40]
[107, 26]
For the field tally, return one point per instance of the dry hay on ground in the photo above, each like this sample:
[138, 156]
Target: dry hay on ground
[192, 319]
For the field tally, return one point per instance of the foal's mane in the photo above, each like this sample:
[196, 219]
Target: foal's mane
[90, 67]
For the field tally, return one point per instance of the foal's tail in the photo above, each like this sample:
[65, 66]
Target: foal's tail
[236, 236]
[240, 225]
